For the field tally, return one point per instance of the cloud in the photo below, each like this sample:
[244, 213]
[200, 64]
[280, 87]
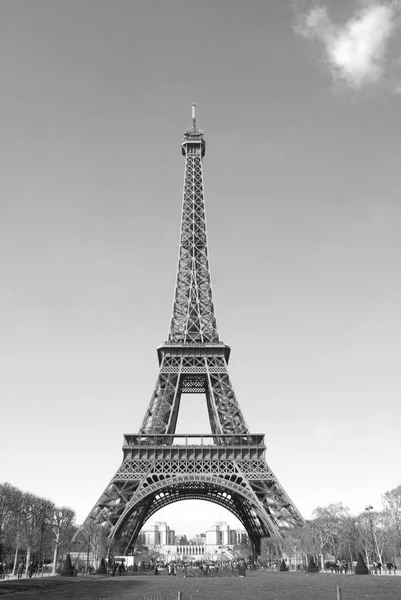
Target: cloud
[356, 52]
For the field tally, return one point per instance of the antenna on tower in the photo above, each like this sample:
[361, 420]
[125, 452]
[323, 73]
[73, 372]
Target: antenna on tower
[194, 115]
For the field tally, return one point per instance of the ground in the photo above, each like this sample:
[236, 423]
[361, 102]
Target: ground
[260, 585]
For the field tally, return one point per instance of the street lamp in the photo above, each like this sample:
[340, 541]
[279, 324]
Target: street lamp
[369, 507]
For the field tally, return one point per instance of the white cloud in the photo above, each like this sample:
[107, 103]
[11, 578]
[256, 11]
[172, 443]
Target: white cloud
[316, 24]
[355, 52]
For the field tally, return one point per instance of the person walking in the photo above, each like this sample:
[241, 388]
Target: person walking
[20, 569]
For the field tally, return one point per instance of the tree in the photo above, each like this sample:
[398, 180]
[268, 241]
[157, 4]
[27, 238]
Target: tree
[350, 535]
[28, 527]
[36, 523]
[368, 539]
[271, 549]
[392, 505]
[44, 538]
[99, 543]
[381, 522]
[302, 541]
[297, 543]
[329, 527]
[19, 513]
[63, 529]
[10, 500]
[243, 549]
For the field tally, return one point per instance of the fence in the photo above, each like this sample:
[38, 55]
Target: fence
[163, 596]
[338, 594]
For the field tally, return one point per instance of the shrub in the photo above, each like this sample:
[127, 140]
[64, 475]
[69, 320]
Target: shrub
[361, 568]
[283, 566]
[68, 569]
[102, 567]
[312, 567]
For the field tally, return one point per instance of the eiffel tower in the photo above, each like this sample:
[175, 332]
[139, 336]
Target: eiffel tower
[227, 466]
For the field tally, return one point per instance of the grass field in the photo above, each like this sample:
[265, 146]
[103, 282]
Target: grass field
[260, 585]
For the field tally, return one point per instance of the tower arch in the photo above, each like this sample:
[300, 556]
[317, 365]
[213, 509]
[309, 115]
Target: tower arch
[231, 493]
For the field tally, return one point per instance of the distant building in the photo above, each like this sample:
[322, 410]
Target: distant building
[217, 543]
[158, 534]
[218, 534]
[221, 534]
[238, 536]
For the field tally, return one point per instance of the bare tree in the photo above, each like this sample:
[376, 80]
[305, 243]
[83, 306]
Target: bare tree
[62, 528]
[392, 505]
[329, 522]
[365, 536]
[10, 501]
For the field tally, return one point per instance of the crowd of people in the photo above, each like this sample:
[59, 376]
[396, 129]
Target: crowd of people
[199, 568]
[34, 568]
[376, 568]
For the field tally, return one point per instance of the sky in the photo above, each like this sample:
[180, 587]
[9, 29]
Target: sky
[300, 106]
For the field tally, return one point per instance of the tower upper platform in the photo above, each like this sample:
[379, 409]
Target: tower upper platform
[194, 142]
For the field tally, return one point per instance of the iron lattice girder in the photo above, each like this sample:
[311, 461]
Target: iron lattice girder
[189, 488]
[194, 369]
[229, 466]
[193, 318]
[228, 470]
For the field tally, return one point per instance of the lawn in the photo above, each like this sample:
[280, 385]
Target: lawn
[260, 585]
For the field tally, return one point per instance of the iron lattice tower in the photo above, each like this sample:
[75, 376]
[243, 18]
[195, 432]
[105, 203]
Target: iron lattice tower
[228, 466]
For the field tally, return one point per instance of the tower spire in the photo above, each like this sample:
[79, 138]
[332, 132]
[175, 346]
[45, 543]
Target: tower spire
[193, 115]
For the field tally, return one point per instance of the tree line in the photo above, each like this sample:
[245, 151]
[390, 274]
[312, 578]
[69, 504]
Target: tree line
[334, 532]
[37, 532]
[33, 530]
